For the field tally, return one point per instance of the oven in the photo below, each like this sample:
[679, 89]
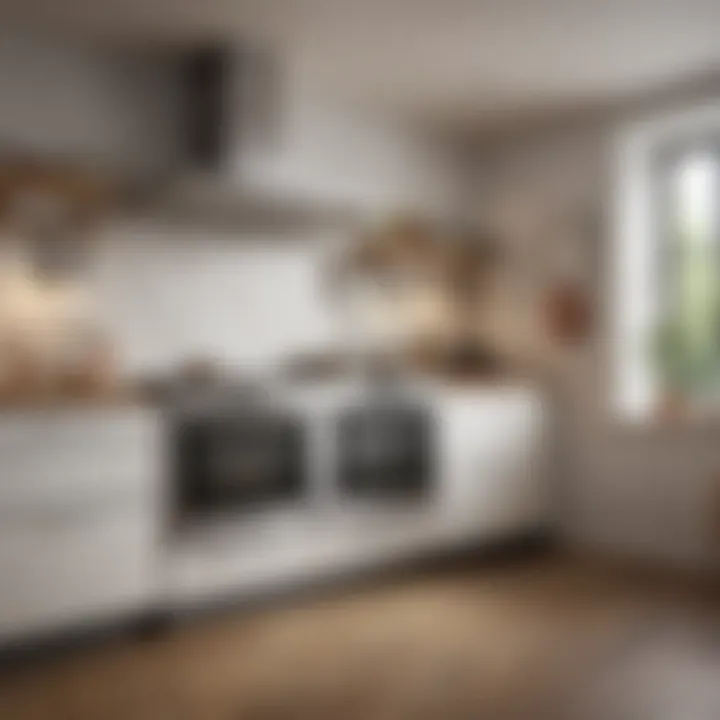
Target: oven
[238, 461]
[385, 451]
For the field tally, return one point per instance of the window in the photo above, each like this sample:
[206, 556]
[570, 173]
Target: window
[687, 343]
[666, 273]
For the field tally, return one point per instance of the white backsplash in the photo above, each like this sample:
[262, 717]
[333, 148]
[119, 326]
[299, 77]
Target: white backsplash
[168, 295]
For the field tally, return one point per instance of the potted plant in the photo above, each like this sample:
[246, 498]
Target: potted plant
[679, 369]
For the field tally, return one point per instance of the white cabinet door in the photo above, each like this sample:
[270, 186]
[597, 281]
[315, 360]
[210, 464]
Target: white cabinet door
[515, 489]
[491, 460]
[60, 568]
[79, 514]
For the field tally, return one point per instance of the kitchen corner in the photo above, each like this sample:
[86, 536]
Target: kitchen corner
[243, 388]
[163, 481]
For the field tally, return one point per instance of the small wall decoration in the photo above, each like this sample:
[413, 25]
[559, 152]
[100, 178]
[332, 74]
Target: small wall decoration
[430, 280]
[51, 209]
[568, 312]
[49, 342]
[567, 305]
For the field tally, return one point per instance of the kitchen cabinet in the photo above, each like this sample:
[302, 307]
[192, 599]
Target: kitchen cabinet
[83, 497]
[492, 460]
[79, 516]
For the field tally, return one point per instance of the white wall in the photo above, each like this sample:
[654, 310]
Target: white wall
[651, 490]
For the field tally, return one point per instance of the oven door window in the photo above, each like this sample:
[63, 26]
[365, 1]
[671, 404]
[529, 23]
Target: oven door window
[234, 464]
[385, 452]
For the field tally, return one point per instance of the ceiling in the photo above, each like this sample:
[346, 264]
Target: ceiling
[474, 63]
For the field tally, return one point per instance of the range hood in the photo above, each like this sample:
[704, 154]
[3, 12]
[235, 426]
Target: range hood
[230, 122]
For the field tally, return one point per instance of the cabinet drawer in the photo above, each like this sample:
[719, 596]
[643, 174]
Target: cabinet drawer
[43, 453]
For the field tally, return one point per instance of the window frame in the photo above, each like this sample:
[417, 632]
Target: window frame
[638, 269]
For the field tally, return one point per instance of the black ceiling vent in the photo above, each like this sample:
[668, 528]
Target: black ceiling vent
[205, 99]
[230, 105]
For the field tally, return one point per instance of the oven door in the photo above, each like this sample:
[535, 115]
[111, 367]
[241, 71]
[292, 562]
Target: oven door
[228, 464]
[385, 452]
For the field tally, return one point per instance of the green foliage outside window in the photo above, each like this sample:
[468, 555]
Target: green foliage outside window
[687, 342]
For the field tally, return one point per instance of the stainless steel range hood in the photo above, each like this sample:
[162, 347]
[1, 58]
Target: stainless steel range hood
[230, 124]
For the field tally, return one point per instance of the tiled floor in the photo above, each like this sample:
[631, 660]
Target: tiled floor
[541, 638]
